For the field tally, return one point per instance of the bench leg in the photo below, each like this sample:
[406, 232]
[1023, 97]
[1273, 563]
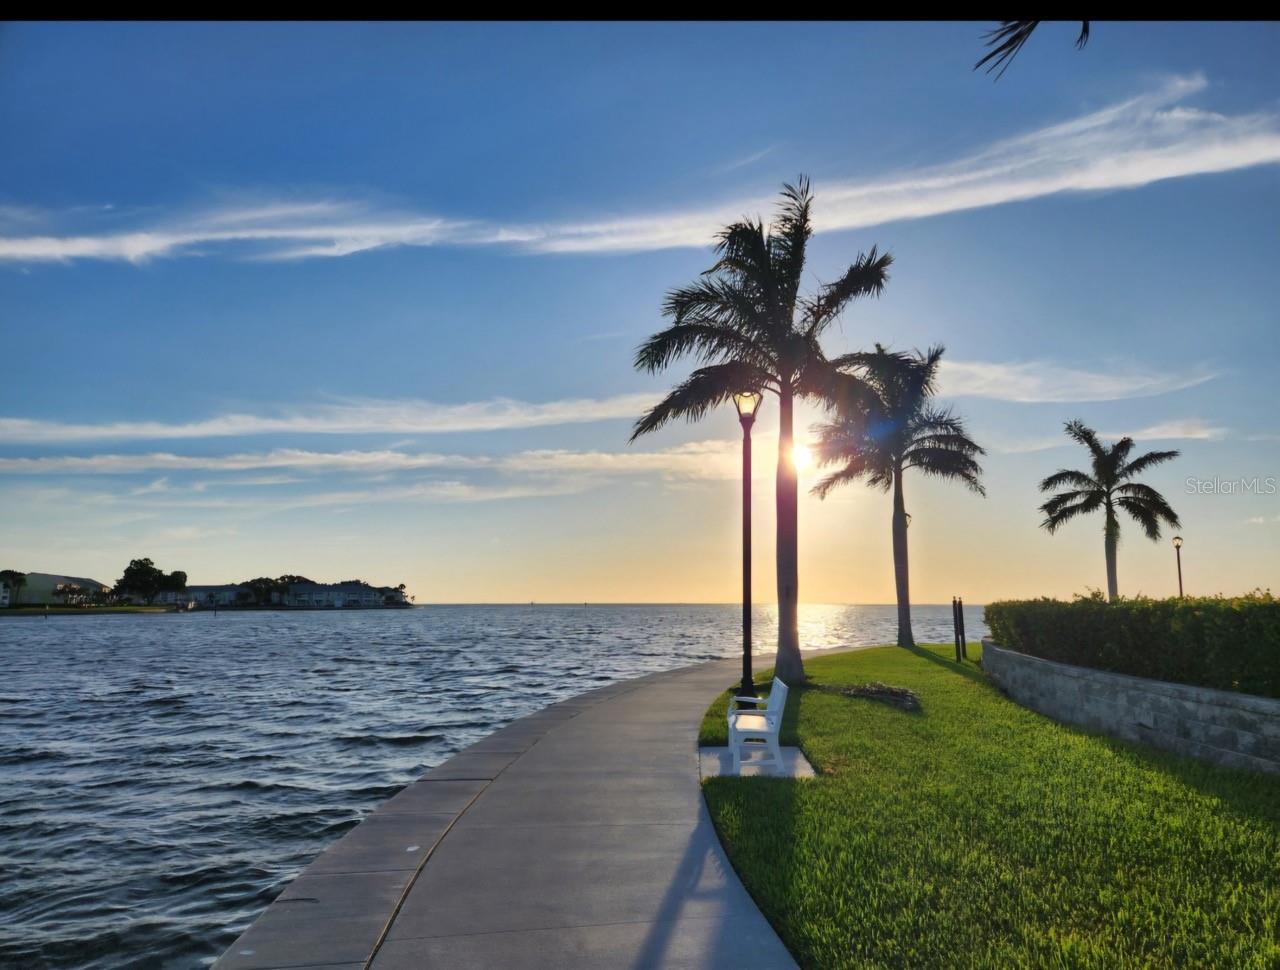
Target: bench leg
[775, 753]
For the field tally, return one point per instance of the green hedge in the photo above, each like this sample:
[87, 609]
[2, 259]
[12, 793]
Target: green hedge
[1227, 643]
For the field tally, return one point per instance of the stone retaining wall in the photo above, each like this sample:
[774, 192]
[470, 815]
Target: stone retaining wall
[1235, 730]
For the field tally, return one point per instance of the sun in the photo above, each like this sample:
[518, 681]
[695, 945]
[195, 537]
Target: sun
[801, 457]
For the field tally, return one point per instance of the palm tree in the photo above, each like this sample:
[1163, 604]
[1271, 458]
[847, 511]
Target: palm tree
[745, 321]
[878, 436]
[1109, 488]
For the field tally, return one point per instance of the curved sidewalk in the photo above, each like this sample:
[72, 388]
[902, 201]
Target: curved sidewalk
[574, 837]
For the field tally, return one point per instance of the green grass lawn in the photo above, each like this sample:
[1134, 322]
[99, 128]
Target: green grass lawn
[976, 833]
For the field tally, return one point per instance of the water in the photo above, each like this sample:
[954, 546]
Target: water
[163, 777]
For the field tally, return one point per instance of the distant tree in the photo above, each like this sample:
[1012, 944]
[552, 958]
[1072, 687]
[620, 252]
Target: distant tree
[1006, 40]
[71, 593]
[175, 581]
[15, 581]
[141, 578]
[289, 580]
[1109, 487]
[262, 588]
[747, 323]
[879, 437]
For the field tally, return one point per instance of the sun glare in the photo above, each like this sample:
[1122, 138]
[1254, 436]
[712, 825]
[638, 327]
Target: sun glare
[801, 457]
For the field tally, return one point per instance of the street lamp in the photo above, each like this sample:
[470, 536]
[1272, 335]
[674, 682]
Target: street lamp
[1177, 548]
[747, 403]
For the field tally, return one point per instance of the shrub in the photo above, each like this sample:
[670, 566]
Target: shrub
[1230, 643]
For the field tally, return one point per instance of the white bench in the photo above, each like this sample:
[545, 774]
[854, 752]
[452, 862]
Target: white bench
[750, 730]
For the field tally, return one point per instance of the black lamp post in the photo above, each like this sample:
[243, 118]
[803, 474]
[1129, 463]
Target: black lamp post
[1177, 548]
[747, 403]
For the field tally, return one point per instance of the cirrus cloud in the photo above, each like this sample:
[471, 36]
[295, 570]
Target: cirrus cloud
[1147, 138]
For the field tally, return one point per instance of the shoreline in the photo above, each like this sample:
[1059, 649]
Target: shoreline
[104, 610]
[487, 858]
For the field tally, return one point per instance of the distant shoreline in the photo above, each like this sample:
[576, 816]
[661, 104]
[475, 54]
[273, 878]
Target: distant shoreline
[100, 610]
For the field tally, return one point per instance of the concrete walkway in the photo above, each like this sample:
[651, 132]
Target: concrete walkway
[575, 837]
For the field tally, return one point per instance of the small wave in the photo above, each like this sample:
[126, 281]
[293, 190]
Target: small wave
[387, 740]
[31, 756]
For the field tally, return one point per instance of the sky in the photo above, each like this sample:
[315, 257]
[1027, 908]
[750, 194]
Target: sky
[362, 300]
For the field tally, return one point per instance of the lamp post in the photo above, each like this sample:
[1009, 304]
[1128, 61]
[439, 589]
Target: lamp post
[747, 403]
[1177, 548]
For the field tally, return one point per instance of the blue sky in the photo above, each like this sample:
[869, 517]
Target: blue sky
[361, 300]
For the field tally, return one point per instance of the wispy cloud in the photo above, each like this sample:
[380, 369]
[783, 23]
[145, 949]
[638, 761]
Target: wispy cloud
[1135, 142]
[1027, 381]
[711, 459]
[1183, 429]
[1186, 429]
[350, 417]
[745, 160]
[1032, 382]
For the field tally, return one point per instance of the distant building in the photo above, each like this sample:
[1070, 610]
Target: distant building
[4, 595]
[48, 588]
[229, 594]
[334, 595]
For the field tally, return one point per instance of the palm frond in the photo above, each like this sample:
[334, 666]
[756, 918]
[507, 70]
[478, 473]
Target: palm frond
[1067, 477]
[1143, 514]
[946, 463]
[928, 364]
[865, 277]
[1061, 514]
[718, 303]
[1067, 498]
[943, 422]
[1119, 454]
[842, 476]
[1078, 431]
[790, 238]
[1149, 460]
[1149, 499]
[961, 444]
[707, 342]
[743, 255]
[703, 390]
[1006, 40]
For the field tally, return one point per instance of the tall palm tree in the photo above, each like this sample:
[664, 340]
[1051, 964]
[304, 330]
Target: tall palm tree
[746, 323]
[1109, 487]
[878, 436]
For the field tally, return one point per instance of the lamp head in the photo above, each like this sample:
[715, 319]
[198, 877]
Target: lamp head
[747, 403]
[1177, 542]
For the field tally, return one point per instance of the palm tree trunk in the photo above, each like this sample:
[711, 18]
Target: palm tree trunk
[787, 663]
[1112, 537]
[900, 571]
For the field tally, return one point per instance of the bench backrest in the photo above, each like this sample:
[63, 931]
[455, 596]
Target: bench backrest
[777, 697]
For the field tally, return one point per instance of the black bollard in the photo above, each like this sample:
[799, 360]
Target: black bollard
[955, 625]
[964, 640]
